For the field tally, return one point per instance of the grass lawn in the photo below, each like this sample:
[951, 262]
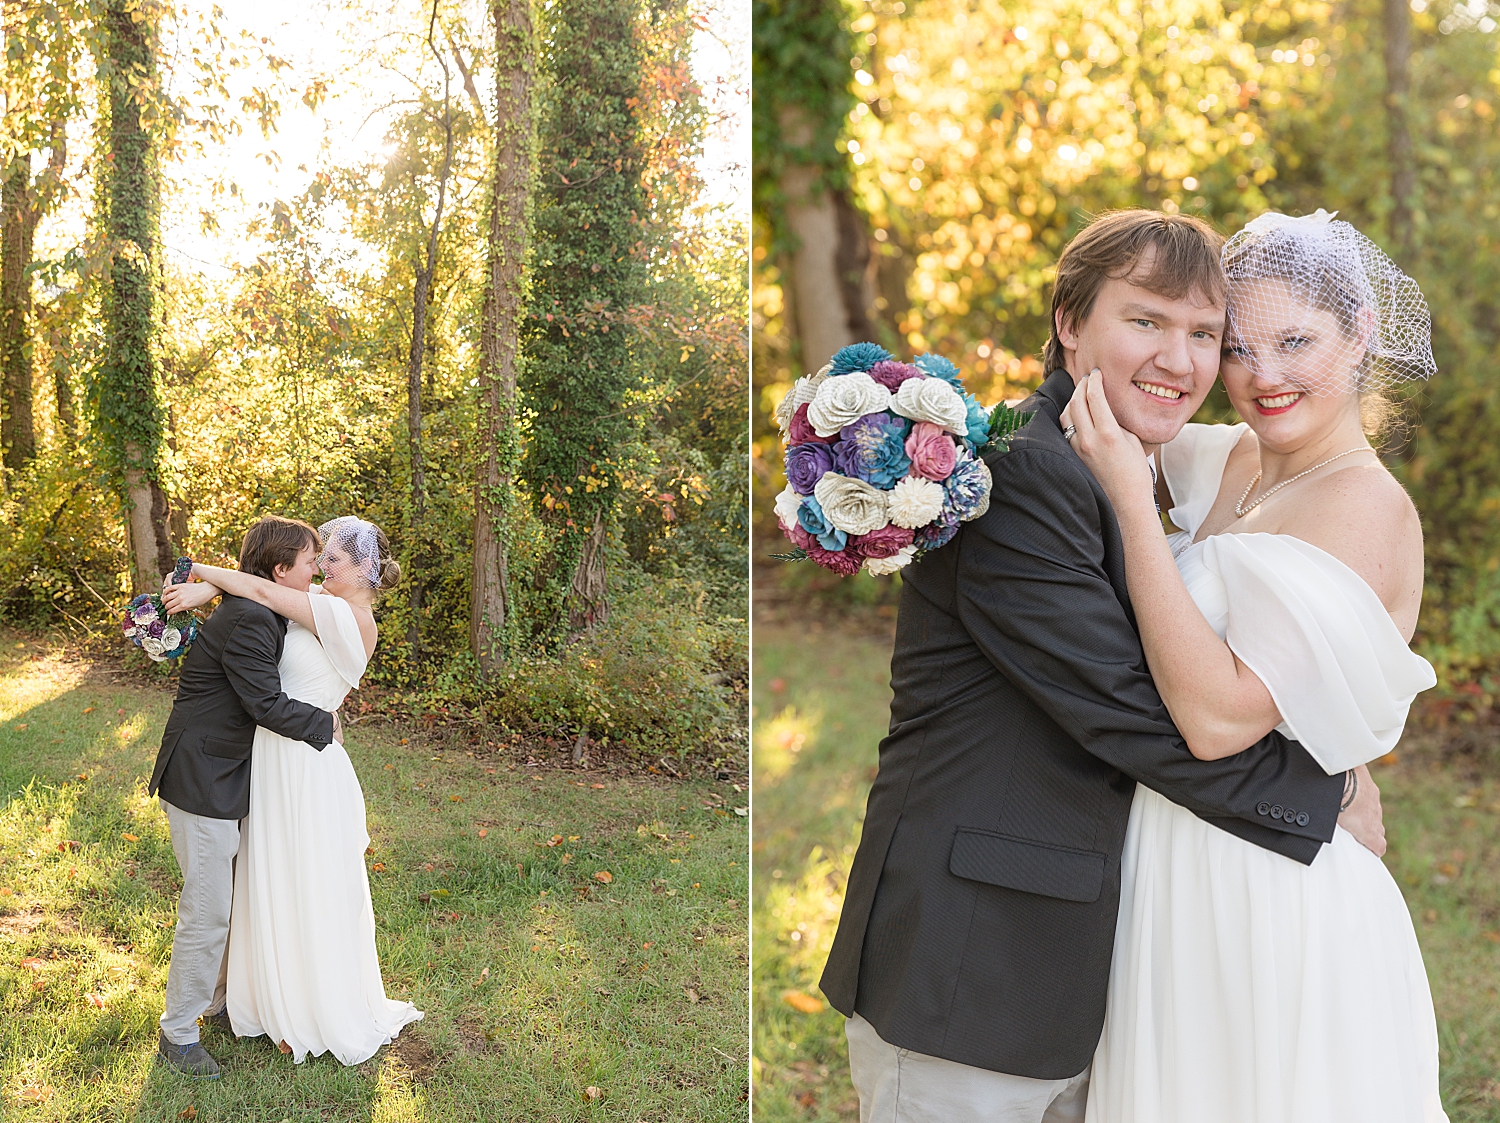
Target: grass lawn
[820, 709]
[577, 939]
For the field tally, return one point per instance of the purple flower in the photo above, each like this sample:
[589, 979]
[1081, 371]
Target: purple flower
[891, 373]
[805, 465]
[873, 449]
[155, 629]
[937, 533]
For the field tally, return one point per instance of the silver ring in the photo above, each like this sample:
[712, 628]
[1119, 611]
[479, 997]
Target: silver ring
[1069, 432]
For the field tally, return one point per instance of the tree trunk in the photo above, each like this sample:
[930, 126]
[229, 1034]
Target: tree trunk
[420, 298]
[588, 603]
[129, 398]
[510, 187]
[829, 283]
[18, 215]
[1398, 130]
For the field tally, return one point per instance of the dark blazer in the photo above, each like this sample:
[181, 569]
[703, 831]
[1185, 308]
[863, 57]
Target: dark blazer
[979, 918]
[230, 684]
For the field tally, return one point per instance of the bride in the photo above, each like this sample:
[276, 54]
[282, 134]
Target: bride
[302, 962]
[1245, 987]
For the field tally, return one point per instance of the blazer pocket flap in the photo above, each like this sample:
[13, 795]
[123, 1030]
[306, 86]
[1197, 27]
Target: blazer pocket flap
[1031, 867]
[234, 750]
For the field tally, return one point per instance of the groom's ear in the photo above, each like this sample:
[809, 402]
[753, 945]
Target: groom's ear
[1064, 328]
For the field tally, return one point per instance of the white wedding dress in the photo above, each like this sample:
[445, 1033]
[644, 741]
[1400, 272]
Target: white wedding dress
[1245, 986]
[302, 963]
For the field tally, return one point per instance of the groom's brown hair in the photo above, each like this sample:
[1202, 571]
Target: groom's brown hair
[275, 541]
[1177, 255]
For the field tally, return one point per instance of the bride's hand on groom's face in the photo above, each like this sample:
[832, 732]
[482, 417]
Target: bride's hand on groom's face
[1114, 455]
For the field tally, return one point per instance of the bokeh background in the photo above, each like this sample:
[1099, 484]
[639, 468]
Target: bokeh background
[918, 167]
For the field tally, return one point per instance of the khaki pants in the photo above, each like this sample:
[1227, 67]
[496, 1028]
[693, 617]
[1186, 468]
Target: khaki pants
[900, 1086]
[205, 850]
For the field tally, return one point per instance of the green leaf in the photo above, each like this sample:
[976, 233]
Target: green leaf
[799, 554]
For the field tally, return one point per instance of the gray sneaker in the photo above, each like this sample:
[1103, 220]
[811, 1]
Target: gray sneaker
[190, 1060]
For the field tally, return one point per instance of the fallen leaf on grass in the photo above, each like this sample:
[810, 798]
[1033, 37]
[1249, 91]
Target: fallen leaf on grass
[88, 709]
[441, 893]
[83, 775]
[742, 811]
[483, 832]
[33, 963]
[604, 876]
[566, 858]
[802, 1002]
[428, 866]
[591, 1093]
[97, 1000]
[369, 849]
[555, 840]
[390, 767]
[378, 867]
[456, 798]
[6, 892]
[808, 1099]
[128, 837]
[691, 995]
[494, 1033]
[35, 1093]
[597, 787]
[189, 1112]
[69, 845]
[22, 725]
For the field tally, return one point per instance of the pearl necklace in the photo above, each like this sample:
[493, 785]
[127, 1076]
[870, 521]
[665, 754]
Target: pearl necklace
[1241, 510]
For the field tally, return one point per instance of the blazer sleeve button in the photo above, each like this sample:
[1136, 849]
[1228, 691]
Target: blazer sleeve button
[1276, 811]
[1263, 808]
[1302, 818]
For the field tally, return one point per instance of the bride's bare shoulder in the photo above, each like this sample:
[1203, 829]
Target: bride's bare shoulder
[1363, 516]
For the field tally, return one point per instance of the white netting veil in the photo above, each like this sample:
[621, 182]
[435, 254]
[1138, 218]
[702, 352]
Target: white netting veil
[351, 551]
[1316, 305]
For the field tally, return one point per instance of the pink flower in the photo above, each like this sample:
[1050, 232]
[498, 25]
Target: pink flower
[932, 451]
[845, 563]
[799, 430]
[891, 374]
[883, 543]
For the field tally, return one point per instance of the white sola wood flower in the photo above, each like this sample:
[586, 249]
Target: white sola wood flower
[914, 502]
[843, 399]
[882, 566]
[852, 505]
[932, 399]
[786, 507]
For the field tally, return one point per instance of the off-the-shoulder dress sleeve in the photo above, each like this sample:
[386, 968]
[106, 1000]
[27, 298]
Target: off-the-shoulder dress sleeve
[338, 632]
[1317, 635]
[1193, 465]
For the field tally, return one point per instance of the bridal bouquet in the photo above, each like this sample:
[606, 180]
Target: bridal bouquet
[882, 459]
[148, 625]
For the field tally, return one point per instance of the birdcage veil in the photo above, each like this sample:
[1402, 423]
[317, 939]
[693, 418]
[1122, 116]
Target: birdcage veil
[358, 544]
[1289, 279]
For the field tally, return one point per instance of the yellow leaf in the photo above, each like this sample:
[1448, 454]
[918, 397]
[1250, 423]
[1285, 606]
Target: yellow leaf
[802, 1002]
[35, 1093]
[88, 709]
[604, 876]
[456, 798]
[131, 837]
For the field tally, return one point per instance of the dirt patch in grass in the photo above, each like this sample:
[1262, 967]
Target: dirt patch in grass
[415, 1053]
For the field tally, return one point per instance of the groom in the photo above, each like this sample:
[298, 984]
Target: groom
[230, 684]
[973, 952]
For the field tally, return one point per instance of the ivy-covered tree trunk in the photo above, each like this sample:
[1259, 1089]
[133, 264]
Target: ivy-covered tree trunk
[588, 274]
[129, 400]
[500, 320]
[17, 226]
